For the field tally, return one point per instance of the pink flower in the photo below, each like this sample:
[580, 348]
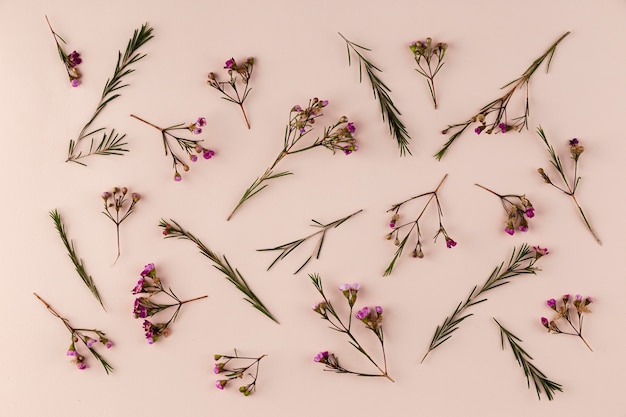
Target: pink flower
[221, 384]
[450, 243]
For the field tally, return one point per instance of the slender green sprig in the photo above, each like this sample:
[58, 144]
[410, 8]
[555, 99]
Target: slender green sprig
[521, 262]
[389, 111]
[116, 200]
[83, 336]
[498, 107]
[111, 143]
[70, 61]
[237, 372]
[569, 187]
[71, 252]
[172, 229]
[234, 69]
[287, 248]
[540, 381]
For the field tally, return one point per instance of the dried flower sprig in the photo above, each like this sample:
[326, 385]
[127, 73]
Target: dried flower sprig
[517, 207]
[370, 317]
[88, 337]
[521, 262]
[172, 229]
[429, 60]
[568, 188]
[287, 248]
[71, 252]
[236, 72]
[337, 137]
[540, 381]
[144, 307]
[565, 310]
[70, 61]
[498, 107]
[111, 143]
[389, 111]
[116, 200]
[413, 226]
[189, 146]
[237, 372]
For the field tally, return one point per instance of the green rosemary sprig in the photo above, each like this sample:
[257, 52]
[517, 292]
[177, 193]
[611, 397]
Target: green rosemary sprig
[111, 143]
[521, 262]
[498, 107]
[389, 111]
[71, 252]
[172, 229]
[287, 248]
[540, 381]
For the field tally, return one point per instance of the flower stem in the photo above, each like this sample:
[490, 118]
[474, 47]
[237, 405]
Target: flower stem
[587, 224]
[148, 123]
[193, 299]
[245, 116]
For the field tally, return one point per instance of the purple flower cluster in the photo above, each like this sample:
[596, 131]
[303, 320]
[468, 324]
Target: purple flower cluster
[570, 312]
[321, 357]
[350, 291]
[154, 331]
[371, 317]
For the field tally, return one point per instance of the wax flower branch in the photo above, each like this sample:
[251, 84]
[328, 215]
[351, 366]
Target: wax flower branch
[117, 209]
[518, 209]
[228, 371]
[521, 262]
[287, 248]
[493, 117]
[144, 306]
[238, 74]
[568, 187]
[337, 137]
[429, 60]
[566, 310]
[540, 381]
[88, 337]
[371, 317]
[111, 143]
[189, 146]
[413, 227]
[70, 61]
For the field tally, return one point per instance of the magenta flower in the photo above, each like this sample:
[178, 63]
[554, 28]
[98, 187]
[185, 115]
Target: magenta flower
[74, 59]
[139, 310]
[81, 365]
[91, 342]
[573, 142]
[478, 130]
[503, 127]
[149, 271]
[509, 230]
[379, 310]
[545, 322]
[208, 154]
[219, 367]
[221, 383]
[523, 228]
[75, 83]
[139, 287]
[72, 351]
[530, 212]
[350, 127]
[108, 344]
[450, 243]
[201, 121]
[193, 158]
[177, 177]
[539, 251]
[363, 314]
[551, 303]
[321, 357]
[229, 65]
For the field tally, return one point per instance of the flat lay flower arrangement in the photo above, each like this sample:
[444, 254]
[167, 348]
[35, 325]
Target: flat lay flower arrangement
[358, 329]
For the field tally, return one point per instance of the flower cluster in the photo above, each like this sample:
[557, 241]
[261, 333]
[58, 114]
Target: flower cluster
[371, 317]
[189, 146]
[429, 59]
[518, 209]
[414, 227]
[565, 310]
[117, 209]
[238, 372]
[144, 306]
[234, 72]
[70, 61]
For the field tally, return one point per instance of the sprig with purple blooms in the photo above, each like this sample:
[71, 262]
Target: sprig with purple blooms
[88, 337]
[236, 72]
[287, 248]
[517, 207]
[566, 309]
[116, 199]
[496, 110]
[70, 61]
[371, 317]
[414, 227]
[172, 229]
[389, 111]
[238, 372]
[189, 146]
[336, 137]
[540, 381]
[429, 60]
[144, 307]
[521, 262]
[111, 143]
[568, 187]
[79, 266]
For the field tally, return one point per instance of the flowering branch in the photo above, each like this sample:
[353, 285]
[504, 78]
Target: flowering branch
[237, 372]
[70, 61]
[234, 69]
[564, 311]
[424, 52]
[117, 200]
[517, 208]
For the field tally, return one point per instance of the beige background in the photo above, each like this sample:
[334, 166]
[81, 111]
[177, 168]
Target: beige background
[299, 56]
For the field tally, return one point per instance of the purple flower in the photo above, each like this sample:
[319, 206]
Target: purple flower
[296, 108]
[478, 130]
[509, 230]
[321, 357]
[75, 82]
[530, 212]
[74, 59]
[566, 298]
[197, 131]
[523, 228]
[72, 351]
[229, 64]
[221, 383]
[91, 342]
[148, 270]
[503, 127]
[363, 313]
[208, 154]
[177, 177]
[324, 103]
[348, 149]
[139, 287]
[219, 367]
[539, 251]
[379, 310]
[201, 121]
[551, 303]
[81, 365]
[573, 142]
[545, 322]
[139, 310]
[193, 158]
[350, 127]
[108, 344]
[450, 243]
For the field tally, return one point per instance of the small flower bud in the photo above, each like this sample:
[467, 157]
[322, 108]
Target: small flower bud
[388, 236]
[136, 197]
[124, 190]
[396, 242]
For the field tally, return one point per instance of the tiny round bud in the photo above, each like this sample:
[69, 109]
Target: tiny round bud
[388, 236]
[124, 190]
[396, 242]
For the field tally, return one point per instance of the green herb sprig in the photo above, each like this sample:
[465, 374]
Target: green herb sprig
[71, 252]
[287, 248]
[389, 111]
[172, 229]
[111, 142]
[540, 381]
[521, 262]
